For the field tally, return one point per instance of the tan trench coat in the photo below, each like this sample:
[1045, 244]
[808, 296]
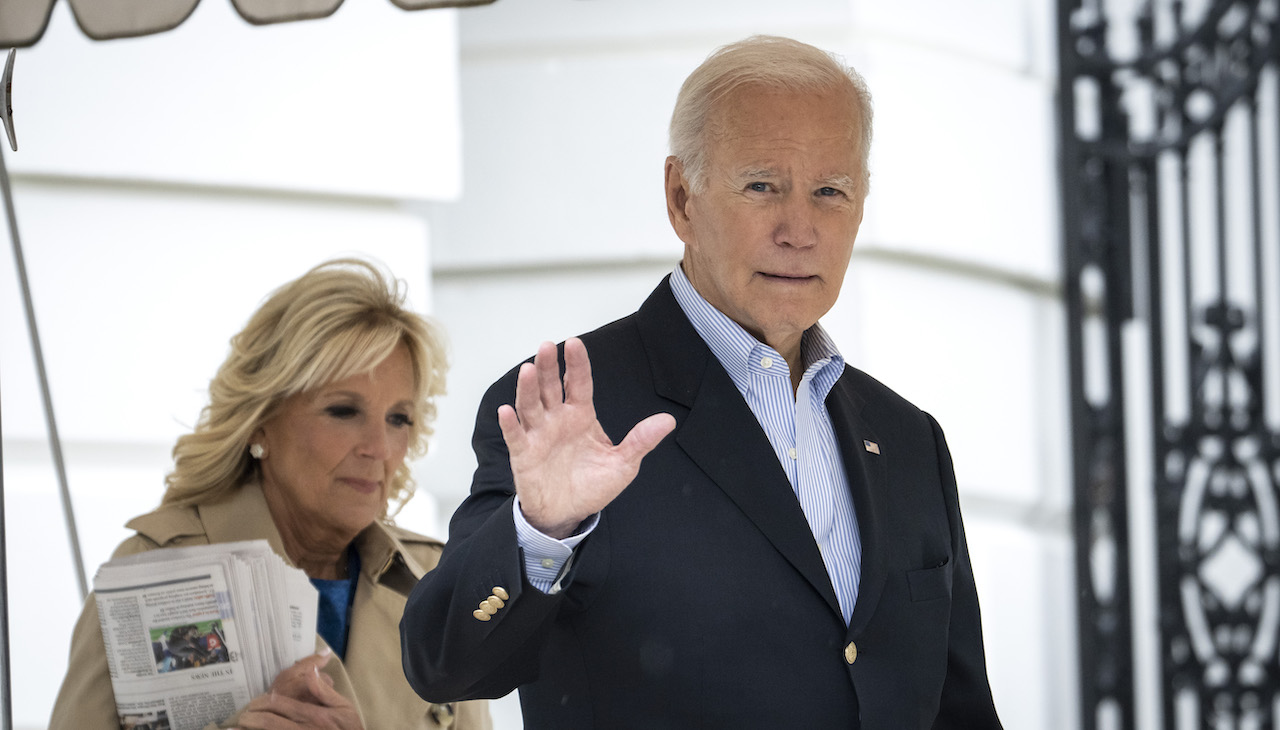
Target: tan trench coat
[391, 562]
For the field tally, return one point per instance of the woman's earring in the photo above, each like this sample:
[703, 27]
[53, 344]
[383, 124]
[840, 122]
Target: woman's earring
[257, 451]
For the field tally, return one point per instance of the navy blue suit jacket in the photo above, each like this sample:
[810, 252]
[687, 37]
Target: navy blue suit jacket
[701, 600]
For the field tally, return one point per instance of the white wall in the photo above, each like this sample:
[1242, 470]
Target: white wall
[158, 208]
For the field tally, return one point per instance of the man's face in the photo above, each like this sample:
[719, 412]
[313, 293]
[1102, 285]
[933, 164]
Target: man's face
[768, 238]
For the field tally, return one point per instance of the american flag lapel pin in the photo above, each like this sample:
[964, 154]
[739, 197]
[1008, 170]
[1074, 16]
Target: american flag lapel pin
[871, 447]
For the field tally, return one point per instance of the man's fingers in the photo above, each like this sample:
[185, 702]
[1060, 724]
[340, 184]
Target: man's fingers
[512, 432]
[577, 373]
[528, 403]
[646, 435]
[547, 364]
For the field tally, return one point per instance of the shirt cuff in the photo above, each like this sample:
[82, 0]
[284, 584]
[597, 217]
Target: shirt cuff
[545, 556]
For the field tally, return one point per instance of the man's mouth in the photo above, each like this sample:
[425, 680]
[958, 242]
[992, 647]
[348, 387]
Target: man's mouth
[787, 277]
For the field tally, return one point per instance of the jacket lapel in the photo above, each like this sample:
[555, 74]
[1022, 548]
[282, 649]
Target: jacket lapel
[866, 475]
[721, 435]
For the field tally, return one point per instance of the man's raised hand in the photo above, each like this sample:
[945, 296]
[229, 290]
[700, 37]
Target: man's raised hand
[564, 465]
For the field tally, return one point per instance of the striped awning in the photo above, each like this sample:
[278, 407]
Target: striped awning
[22, 22]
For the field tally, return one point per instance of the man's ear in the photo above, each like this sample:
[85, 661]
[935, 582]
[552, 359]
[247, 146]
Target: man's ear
[678, 194]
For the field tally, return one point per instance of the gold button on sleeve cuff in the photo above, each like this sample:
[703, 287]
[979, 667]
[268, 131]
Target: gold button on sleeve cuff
[480, 615]
[500, 592]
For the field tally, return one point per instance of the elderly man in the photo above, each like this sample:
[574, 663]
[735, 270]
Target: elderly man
[793, 555]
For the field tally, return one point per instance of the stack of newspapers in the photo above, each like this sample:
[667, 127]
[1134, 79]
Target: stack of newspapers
[193, 633]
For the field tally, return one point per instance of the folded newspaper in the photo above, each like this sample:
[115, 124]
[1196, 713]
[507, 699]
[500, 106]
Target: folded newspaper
[194, 633]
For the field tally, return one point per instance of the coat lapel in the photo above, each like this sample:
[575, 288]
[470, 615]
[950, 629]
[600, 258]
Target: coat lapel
[721, 435]
[242, 515]
[865, 472]
[374, 635]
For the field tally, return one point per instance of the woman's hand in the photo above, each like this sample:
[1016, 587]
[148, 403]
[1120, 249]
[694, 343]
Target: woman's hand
[301, 697]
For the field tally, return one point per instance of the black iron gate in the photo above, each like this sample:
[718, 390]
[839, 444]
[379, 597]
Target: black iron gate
[1170, 143]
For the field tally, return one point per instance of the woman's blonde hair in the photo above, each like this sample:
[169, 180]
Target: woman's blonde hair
[340, 319]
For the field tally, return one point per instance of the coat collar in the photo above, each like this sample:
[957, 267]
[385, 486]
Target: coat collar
[678, 357]
[243, 515]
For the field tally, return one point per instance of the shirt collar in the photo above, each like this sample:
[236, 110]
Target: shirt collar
[733, 346]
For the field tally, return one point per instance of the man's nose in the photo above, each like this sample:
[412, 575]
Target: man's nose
[797, 224]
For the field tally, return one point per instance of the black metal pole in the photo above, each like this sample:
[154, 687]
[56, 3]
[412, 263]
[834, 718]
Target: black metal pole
[1098, 294]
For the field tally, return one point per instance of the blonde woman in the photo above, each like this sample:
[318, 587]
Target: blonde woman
[325, 392]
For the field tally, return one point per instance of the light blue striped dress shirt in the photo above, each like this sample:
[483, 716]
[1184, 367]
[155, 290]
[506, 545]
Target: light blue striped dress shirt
[799, 429]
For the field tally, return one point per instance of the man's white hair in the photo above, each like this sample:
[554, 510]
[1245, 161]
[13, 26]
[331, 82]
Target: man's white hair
[768, 61]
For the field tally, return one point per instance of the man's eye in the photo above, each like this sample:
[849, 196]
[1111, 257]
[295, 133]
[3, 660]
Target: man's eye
[829, 192]
[400, 420]
[341, 411]
[758, 187]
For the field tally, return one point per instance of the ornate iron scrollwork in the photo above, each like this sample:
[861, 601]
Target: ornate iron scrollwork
[1170, 136]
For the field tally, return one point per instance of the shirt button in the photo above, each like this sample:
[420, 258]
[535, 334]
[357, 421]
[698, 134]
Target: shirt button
[766, 362]
[791, 452]
[547, 563]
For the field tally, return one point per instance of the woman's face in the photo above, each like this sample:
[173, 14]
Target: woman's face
[331, 453]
